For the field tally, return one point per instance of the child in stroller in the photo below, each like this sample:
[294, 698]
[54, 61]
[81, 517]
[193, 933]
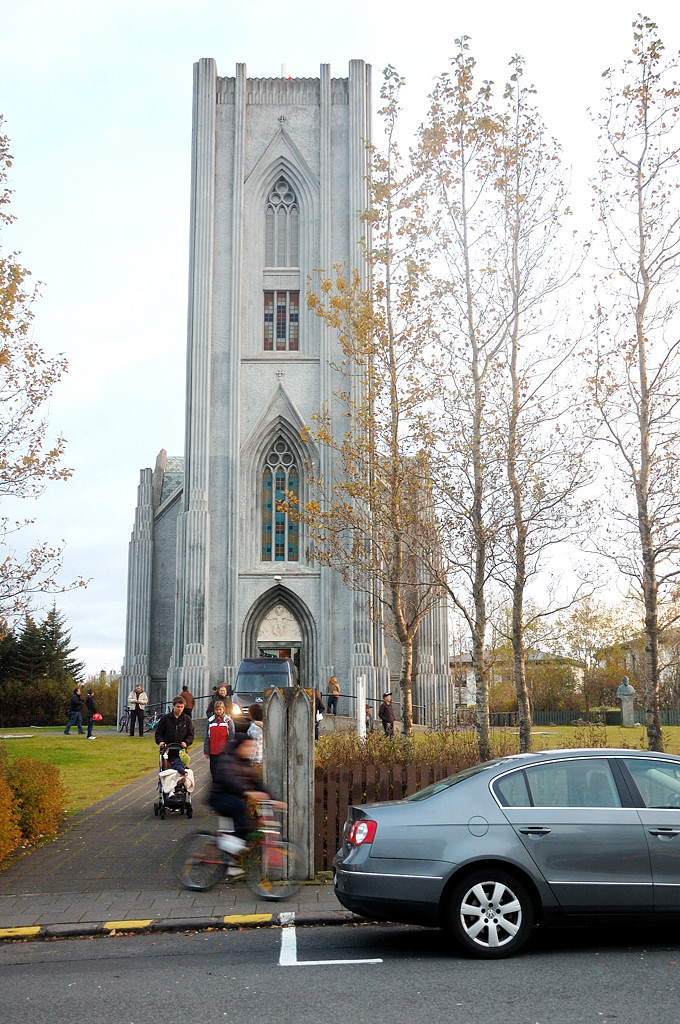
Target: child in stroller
[175, 781]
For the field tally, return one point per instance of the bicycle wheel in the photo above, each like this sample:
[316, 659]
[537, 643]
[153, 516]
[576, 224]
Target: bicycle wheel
[274, 869]
[198, 862]
[124, 722]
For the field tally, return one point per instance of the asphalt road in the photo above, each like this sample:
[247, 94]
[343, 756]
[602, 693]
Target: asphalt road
[360, 973]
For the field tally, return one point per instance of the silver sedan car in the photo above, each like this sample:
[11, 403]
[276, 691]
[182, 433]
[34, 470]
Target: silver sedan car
[528, 839]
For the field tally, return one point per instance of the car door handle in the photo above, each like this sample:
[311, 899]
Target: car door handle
[535, 830]
[669, 832]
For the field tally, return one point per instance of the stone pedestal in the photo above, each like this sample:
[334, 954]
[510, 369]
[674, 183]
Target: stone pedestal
[626, 694]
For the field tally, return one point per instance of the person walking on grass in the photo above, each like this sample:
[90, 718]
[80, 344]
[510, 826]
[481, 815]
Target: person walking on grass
[75, 713]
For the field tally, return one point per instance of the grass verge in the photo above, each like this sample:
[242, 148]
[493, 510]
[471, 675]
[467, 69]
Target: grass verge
[90, 771]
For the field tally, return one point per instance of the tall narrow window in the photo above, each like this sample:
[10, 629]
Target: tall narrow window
[281, 321]
[280, 534]
[282, 232]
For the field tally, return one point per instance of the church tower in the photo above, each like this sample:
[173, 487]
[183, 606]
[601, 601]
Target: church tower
[216, 572]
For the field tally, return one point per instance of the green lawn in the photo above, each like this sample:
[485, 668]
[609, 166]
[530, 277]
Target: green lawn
[90, 770]
[551, 737]
[94, 770]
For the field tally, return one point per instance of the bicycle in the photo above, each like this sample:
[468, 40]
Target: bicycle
[151, 719]
[124, 721]
[272, 866]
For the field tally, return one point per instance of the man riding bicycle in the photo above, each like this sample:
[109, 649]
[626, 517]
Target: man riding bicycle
[235, 781]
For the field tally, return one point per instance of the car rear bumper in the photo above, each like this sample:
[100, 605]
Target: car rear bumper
[389, 910]
[389, 893]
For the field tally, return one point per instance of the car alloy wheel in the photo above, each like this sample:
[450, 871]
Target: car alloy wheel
[491, 914]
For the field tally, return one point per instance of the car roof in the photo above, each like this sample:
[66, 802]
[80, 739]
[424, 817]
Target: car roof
[569, 753]
[265, 661]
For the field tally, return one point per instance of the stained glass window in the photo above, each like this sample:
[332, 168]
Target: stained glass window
[269, 321]
[281, 321]
[280, 534]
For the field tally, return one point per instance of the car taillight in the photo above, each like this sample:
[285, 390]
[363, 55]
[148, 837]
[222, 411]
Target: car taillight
[361, 832]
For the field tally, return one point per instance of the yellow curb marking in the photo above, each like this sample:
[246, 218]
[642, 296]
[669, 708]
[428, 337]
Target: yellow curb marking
[248, 919]
[11, 933]
[127, 925]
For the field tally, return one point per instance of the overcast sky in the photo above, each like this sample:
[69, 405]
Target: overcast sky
[97, 101]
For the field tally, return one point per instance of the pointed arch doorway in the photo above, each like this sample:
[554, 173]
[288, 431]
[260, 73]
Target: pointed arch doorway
[280, 636]
[279, 625]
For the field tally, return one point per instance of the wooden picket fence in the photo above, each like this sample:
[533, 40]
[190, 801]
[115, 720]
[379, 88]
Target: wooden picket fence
[337, 788]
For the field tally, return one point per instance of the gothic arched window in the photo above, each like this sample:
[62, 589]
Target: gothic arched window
[280, 478]
[282, 227]
[281, 252]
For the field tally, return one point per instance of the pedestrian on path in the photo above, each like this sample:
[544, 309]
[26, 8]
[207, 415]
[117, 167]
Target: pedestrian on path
[175, 729]
[219, 694]
[333, 694]
[319, 708]
[256, 715]
[188, 700]
[219, 730]
[137, 702]
[386, 715]
[75, 713]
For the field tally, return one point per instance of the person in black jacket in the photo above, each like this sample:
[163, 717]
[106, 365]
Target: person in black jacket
[235, 781]
[90, 710]
[175, 729]
[220, 694]
[75, 712]
[386, 715]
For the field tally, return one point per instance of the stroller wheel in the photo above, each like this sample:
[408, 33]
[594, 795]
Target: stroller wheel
[181, 811]
[190, 811]
[161, 812]
[155, 809]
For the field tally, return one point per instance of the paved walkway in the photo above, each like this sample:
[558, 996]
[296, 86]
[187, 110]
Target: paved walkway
[110, 869]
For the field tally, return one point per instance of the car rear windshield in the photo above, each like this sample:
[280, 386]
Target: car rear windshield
[452, 780]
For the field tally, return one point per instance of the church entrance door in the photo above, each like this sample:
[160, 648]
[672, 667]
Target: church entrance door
[279, 636]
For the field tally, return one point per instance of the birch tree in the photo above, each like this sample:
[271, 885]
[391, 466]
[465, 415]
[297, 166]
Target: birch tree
[28, 459]
[458, 157]
[373, 519]
[544, 454]
[635, 383]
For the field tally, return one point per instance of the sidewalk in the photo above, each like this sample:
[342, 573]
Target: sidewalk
[110, 869]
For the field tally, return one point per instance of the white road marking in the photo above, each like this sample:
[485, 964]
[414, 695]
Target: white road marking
[288, 956]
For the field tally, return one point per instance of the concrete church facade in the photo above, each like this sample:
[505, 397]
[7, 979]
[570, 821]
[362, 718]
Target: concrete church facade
[216, 573]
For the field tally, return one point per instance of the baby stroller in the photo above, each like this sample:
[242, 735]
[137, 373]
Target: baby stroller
[174, 789]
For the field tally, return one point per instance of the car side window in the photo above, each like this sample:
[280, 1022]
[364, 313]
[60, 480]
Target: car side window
[512, 790]
[658, 781]
[586, 782]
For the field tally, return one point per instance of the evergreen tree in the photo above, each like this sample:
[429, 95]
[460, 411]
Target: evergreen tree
[57, 650]
[29, 663]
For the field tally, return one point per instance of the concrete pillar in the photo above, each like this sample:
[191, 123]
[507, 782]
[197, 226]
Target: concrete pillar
[196, 526]
[138, 625]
